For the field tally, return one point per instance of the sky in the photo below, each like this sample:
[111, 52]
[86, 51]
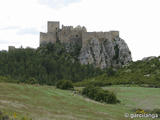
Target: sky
[138, 21]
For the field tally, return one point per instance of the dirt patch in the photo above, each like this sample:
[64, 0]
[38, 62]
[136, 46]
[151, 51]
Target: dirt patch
[12, 104]
[89, 100]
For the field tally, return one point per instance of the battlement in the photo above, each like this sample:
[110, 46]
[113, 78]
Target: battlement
[70, 28]
[69, 34]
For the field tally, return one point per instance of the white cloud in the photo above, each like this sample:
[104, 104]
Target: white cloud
[9, 28]
[57, 3]
[137, 21]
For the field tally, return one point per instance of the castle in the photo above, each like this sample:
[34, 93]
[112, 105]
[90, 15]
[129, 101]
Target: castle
[68, 34]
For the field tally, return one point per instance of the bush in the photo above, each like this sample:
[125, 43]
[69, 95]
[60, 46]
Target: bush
[110, 72]
[112, 99]
[64, 84]
[7, 79]
[3, 117]
[32, 81]
[98, 94]
[156, 111]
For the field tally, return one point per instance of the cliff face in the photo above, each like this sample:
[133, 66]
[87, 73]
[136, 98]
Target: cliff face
[102, 49]
[105, 53]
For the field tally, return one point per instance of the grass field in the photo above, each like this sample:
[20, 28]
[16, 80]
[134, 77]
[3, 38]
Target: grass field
[49, 103]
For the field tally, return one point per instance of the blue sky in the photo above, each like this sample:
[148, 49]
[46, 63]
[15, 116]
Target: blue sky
[137, 20]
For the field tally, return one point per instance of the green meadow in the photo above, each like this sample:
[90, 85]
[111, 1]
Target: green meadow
[48, 103]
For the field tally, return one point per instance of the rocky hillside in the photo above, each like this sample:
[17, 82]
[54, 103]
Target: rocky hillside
[105, 53]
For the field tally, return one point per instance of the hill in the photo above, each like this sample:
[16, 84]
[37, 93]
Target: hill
[144, 72]
[48, 103]
[44, 65]
[102, 49]
[51, 63]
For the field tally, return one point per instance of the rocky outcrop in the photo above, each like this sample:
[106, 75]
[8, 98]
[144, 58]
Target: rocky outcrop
[149, 58]
[102, 49]
[105, 53]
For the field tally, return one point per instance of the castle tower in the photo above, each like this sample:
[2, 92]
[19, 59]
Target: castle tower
[52, 33]
[53, 26]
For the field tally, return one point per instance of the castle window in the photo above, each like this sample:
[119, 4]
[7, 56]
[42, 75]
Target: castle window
[76, 35]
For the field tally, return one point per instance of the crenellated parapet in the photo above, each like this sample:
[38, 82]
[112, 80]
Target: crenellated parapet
[102, 49]
[68, 34]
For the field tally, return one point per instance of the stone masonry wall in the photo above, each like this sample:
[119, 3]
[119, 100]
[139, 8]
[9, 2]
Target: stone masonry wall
[102, 49]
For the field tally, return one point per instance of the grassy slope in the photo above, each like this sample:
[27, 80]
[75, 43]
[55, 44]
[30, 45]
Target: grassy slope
[138, 97]
[48, 103]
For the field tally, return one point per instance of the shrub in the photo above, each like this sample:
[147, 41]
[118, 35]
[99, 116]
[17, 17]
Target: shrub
[98, 94]
[110, 72]
[32, 80]
[156, 111]
[7, 79]
[112, 98]
[101, 95]
[3, 117]
[14, 117]
[140, 111]
[64, 84]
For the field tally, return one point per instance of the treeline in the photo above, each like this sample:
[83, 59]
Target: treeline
[144, 73]
[50, 63]
[45, 65]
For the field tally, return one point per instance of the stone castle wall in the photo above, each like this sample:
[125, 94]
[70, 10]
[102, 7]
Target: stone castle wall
[69, 34]
[102, 49]
[47, 38]
[53, 26]
[101, 36]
